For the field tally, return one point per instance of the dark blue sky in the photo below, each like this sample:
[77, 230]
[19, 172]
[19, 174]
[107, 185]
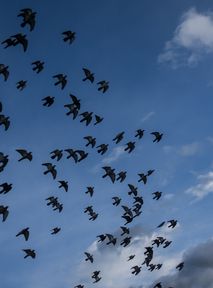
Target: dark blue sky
[124, 43]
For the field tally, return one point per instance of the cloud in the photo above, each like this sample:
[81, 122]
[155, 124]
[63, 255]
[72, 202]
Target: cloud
[148, 116]
[189, 149]
[116, 153]
[204, 187]
[197, 271]
[193, 38]
[113, 264]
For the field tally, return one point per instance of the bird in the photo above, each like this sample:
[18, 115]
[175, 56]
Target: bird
[98, 119]
[3, 160]
[90, 141]
[82, 155]
[138, 199]
[28, 18]
[5, 188]
[136, 269]
[143, 178]
[89, 257]
[127, 218]
[90, 191]
[118, 137]
[20, 39]
[167, 243]
[4, 212]
[4, 71]
[69, 36]
[50, 169]
[20, 85]
[58, 207]
[111, 238]
[72, 153]
[29, 253]
[48, 101]
[5, 121]
[97, 279]
[25, 232]
[103, 86]
[121, 176]
[76, 101]
[8, 42]
[95, 274]
[161, 224]
[172, 223]
[158, 266]
[133, 190]
[89, 75]
[130, 147]
[102, 148]
[93, 215]
[158, 136]
[72, 110]
[38, 66]
[88, 209]
[62, 79]
[52, 201]
[87, 117]
[55, 230]
[125, 230]
[152, 267]
[117, 201]
[131, 257]
[101, 237]
[180, 266]
[56, 154]
[126, 241]
[150, 172]
[24, 154]
[157, 195]
[127, 210]
[109, 172]
[63, 184]
[139, 133]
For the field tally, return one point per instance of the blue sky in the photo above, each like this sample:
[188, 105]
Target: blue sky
[157, 57]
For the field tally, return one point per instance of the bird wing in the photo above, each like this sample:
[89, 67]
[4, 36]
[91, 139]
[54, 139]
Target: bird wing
[5, 215]
[23, 152]
[26, 234]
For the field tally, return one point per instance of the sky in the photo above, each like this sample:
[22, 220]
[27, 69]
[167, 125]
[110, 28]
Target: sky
[157, 57]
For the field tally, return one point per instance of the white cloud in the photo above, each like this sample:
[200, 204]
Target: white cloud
[189, 149]
[116, 153]
[204, 186]
[148, 116]
[193, 38]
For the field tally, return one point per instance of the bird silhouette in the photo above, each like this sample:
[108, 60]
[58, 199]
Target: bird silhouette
[90, 141]
[72, 153]
[69, 36]
[131, 257]
[139, 133]
[28, 18]
[172, 223]
[24, 154]
[72, 110]
[138, 199]
[136, 269]
[126, 241]
[127, 218]
[20, 85]
[125, 230]
[29, 253]
[50, 169]
[167, 243]
[89, 257]
[20, 39]
[48, 101]
[8, 42]
[157, 195]
[25, 232]
[62, 80]
[98, 119]
[133, 190]
[4, 71]
[117, 201]
[5, 188]
[112, 239]
[101, 237]
[130, 146]
[143, 178]
[4, 212]
[109, 172]
[119, 137]
[55, 230]
[87, 117]
[121, 176]
[102, 148]
[82, 155]
[76, 101]
[89, 75]
[158, 136]
[180, 266]
[90, 191]
[5, 121]
[63, 184]
[38, 66]
[103, 86]
[56, 154]
[3, 161]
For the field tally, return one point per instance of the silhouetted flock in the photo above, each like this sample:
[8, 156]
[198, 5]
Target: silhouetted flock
[129, 212]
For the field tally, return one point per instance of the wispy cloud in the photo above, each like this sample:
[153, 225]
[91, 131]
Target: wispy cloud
[148, 116]
[189, 149]
[116, 153]
[204, 186]
[193, 38]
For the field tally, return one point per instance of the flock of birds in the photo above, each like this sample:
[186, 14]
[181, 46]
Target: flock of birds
[129, 213]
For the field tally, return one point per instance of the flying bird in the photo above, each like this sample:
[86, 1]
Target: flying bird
[126, 241]
[55, 230]
[76, 101]
[38, 66]
[136, 269]
[131, 257]
[69, 36]
[72, 110]
[103, 86]
[72, 153]
[89, 257]
[90, 141]
[20, 85]
[48, 101]
[24, 154]
[139, 133]
[121, 176]
[63, 184]
[20, 39]
[102, 148]
[109, 172]
[56, 154]
[130, 146]
[133, 190]
[50, 169]
[89, 75]
[28, 18]
[101, 237]
[143, 178]
[29, 253]
[180, 266]
[62, 80]
[5, 188]
[157, 195]
[82, 155]
[172, 223]
[98, 119]
[4, 212]
[158, 136]
[87, 117]
[90, 191]
[111, 238]
[119, 137]
[125, 230]
[4, 71]
[5, 121]
[25, 232]
[117, 201]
